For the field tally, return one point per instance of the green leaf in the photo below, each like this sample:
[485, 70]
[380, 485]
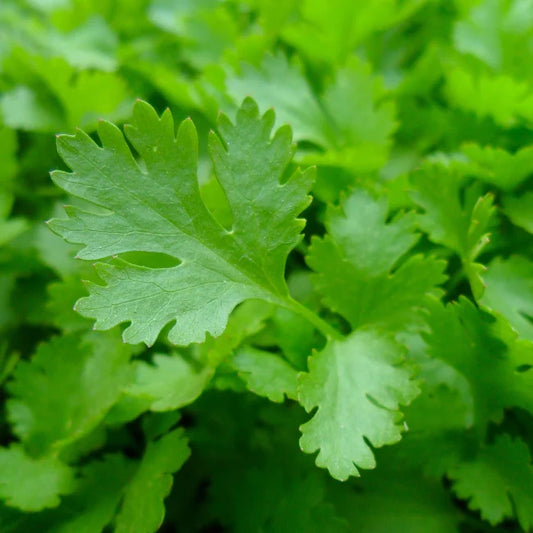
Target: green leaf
[51, 95]
[438, 422]
[510, 292]
[171, 382]
[265, 373]
[61, 294]
[206, 27]
[32, 484]
[495, 32]
[349, 118]
[92, 45]
[483, 348]
[499, 167]
[358, 385]
[304, 114]
[502, 98]
[519, 209]
[356, 264]
[459, 224]
[66, 389]
[245, 321]
[142, 509]
[362, 120]
[329, 32]
[396, 497]
[498, 481]
[98, 494]
[219, 268]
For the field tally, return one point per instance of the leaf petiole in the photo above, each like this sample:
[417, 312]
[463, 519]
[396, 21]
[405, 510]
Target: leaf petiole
[326, 329]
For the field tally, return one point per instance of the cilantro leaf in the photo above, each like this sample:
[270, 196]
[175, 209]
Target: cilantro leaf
[461, 225]
[501, 97]
[499, 167]
[305, 115]
[94, 504]
[330, 31]
[142, 508]
[498, 481]
[51, 96]
[355, 264]
[349, 118]
[157, 208]
[483, 348]
[510, 292]
[357, 385]
[172, 382]
[88, 510]
[519, 209]
[66, 389]
[33, 484]
[265, 373]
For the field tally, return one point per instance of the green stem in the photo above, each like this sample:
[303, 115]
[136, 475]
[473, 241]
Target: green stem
[326, 329]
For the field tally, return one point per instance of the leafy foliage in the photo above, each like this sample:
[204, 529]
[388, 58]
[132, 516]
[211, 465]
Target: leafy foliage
[309, 259]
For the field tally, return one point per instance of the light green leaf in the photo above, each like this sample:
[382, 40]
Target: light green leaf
[265, 373]
[459, 224]
[329, 32]
[59, 97]
[92, 45]
[66, 389]
[504, 99]
[510, 292]
[32, 484]
[142, 509]
[499, 167]
[12, 228]
[354, 264]
[349, 118]
[478, 34]
[245, 321]
[496, 32]
[520, 210]
[171, 382]
[157, 208]
[205, 27]
[303, 113]
[21, 108]
[362, 121]
[358, 385]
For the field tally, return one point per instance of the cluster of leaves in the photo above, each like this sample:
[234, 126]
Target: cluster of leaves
[350, 275]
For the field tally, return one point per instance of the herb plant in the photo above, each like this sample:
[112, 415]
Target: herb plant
[301, 275]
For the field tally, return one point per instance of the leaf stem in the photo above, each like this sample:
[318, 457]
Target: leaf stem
[326, 329]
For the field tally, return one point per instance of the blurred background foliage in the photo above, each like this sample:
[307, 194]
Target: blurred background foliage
[371, 89]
